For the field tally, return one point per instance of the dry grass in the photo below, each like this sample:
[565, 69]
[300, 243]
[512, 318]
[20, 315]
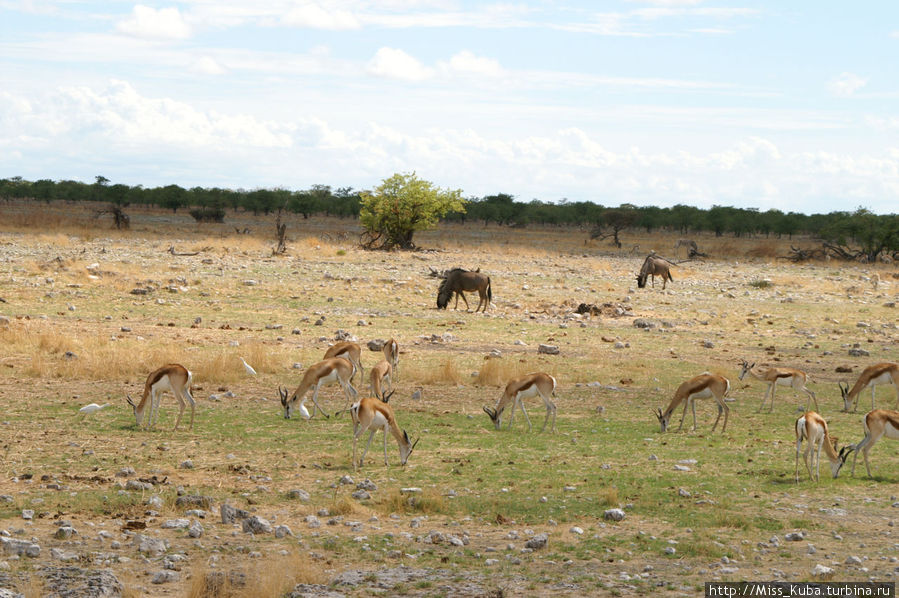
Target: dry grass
[445, 372]
[498, 372]
[608, 497]
[428, 502]
[267, 578]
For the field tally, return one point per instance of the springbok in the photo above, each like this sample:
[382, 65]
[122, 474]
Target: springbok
[873, 375]
[391, 352]
[373, 414]
[811, 427]
[878, 423]
[702, 386]
[380, 374]
[328, 371]
[532, 385]
[350, 351]
[171, 378]
[779, 376]
[457, 281]
[654, 266]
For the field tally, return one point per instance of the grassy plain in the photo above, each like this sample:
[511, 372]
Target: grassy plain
[76, 334]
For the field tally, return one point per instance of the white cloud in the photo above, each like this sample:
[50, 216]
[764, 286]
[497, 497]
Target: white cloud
[466, 62]
[313, 16]
[846, 84]
[147, 22]
[396, 64]
[208, 66]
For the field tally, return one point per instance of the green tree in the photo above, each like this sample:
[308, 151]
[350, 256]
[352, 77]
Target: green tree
[403, 204]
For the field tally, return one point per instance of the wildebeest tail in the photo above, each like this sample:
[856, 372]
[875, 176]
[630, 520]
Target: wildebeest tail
[489, 290]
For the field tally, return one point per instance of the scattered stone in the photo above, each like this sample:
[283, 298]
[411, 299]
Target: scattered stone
[194, 501]
[644, 323]
[231, 514]
[187, 464]
[684, 492]
[165, 577]
[361, 495]
[367, 485]
[282, 531]
[150, 546]
[19, 547]
[681, 468]
[614, 515]
[298, 494]
[853, 560]
[75, 582]
[576, 530]
[858, 352]
[821, 571]
[64, 532]
[795, 536]
[27, 514]
[195, 530]
[376, 344]
[256, 525]
[176, 524]
[346, 480]
[537, 542]
[548, 349]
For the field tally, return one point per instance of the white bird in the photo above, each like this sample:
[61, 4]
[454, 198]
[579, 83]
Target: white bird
[248, 367]
[92, 408]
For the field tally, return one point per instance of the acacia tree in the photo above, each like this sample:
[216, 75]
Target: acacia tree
[401, 205]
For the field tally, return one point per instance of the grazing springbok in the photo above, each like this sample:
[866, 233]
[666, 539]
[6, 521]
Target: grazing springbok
[457, 281]
[690, 244]
[171, 378]
[654, 266]
[329, 371]
[392, 354]
[878, 423]
[380, 374]
[811, 427]
[532, 385]
[373, 414]
[779, 376]
[350, 351]
[873, 375]
[702, 386]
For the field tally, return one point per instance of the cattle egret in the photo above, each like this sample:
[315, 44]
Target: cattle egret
[248, 367]
[92, 408]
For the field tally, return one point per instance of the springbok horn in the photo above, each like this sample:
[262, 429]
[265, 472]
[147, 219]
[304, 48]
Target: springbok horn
[490, 412]
[129, 400]
[386, 397]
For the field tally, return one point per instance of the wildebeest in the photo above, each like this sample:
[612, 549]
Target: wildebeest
[654, 266]
[458, 280]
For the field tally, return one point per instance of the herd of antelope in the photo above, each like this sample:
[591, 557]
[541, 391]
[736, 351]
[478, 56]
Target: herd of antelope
[343, 360]
[810, 426]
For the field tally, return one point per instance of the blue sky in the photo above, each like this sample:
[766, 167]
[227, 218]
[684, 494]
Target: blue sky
[788, 105]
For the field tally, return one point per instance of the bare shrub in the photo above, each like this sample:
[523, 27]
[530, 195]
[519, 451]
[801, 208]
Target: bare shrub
[497, 372]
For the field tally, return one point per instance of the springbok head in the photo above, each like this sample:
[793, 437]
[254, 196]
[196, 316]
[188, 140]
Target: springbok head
[494, 416]
[289, 404]
[406, 447]
[844, 392]
[745, 367]
[138, 414]
[663, 418]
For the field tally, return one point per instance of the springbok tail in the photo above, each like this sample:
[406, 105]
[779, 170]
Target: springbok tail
[489, 291]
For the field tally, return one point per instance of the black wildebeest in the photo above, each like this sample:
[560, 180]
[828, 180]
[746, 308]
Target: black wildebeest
[457, 281]
[654, 266]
